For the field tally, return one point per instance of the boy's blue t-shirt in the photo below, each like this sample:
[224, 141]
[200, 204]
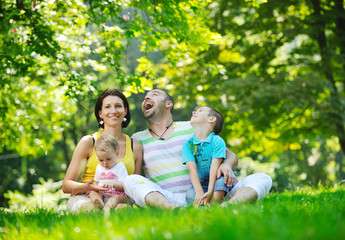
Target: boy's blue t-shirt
[203, 152]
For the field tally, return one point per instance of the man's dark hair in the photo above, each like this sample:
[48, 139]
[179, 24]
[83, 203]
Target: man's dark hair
[218, 127]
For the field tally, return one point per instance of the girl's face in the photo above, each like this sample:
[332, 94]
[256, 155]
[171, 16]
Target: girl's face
[113, 110]
[107, 159]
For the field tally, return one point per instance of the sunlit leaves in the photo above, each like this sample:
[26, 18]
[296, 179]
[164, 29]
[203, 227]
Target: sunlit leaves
[62, 49]
[272, 89]
[29, 122]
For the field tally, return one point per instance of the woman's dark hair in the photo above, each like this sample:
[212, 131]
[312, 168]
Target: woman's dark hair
[112, 92]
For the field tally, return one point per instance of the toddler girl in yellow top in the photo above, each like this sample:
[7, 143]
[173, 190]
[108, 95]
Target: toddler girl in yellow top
[112, 113]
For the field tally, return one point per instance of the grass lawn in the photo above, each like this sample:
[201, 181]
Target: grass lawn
[314, 214]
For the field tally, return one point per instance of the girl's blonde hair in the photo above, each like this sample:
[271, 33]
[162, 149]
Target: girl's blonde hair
[106, 143]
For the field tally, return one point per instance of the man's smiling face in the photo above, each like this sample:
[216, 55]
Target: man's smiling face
[153, 102]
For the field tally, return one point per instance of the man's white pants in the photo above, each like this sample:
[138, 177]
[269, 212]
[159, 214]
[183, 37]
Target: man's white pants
[137, 187]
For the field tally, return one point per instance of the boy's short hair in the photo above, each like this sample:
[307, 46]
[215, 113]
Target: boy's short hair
[218, 127]
[106, 143]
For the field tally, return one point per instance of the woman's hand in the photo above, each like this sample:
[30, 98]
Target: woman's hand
[94, 187]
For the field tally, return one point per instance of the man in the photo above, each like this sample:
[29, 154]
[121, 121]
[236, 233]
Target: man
[168, 183]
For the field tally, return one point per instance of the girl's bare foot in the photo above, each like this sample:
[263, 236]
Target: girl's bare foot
[122, 205]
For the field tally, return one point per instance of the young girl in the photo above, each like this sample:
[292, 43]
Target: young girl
[109, 174]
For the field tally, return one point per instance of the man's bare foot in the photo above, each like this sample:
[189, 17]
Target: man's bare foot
[226, 204]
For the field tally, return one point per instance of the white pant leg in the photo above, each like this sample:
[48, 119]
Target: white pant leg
[260, 182]
[76, 202]
[137, 187]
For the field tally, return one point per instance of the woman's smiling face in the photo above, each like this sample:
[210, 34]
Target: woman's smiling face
[113, 110]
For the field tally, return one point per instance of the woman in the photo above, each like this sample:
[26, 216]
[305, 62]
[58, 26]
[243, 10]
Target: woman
[112, 113]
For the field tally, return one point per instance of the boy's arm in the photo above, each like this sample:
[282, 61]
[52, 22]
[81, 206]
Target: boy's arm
[194, 176]
[212, 180]
[226, 168]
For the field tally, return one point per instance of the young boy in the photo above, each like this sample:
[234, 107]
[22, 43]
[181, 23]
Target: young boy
[109, 173]
[203, 153]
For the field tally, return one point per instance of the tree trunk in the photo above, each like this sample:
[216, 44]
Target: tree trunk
[72, 130]
[65, 148]
[340, 33]
[339, 156]
[339, 12]
[337, 106]
[20, 4]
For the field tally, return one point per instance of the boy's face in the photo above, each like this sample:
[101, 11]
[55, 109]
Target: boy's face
[201, 115]
[107, 159]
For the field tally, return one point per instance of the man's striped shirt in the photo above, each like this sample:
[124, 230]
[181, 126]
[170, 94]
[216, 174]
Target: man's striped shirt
[163, 158]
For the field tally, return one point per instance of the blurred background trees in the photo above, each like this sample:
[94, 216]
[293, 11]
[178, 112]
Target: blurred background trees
[275, 69]
[280, 84]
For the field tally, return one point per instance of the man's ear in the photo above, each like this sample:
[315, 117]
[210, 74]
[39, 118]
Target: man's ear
[169, 104]
[212, 119]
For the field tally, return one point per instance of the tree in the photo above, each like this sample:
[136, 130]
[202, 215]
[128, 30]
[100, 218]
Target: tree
[55, 57]
[279, 75]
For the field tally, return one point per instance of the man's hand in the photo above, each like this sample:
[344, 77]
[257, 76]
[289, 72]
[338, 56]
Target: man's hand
[229, 176]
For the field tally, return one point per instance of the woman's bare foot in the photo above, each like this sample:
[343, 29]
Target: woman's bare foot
[98, 203]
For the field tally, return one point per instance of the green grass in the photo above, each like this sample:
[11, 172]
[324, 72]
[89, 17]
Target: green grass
[315, 214]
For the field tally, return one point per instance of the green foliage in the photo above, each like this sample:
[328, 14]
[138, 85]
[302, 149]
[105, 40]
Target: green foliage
[275, 69]
[39, 79]
[46, 195]
[276, 73]
[58, 48]
[305, 214]
[56, 56]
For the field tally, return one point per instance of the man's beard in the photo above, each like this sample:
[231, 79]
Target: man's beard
[155, 116]
[149, 115]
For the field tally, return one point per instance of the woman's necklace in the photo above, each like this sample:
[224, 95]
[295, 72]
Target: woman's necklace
[161, 136]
